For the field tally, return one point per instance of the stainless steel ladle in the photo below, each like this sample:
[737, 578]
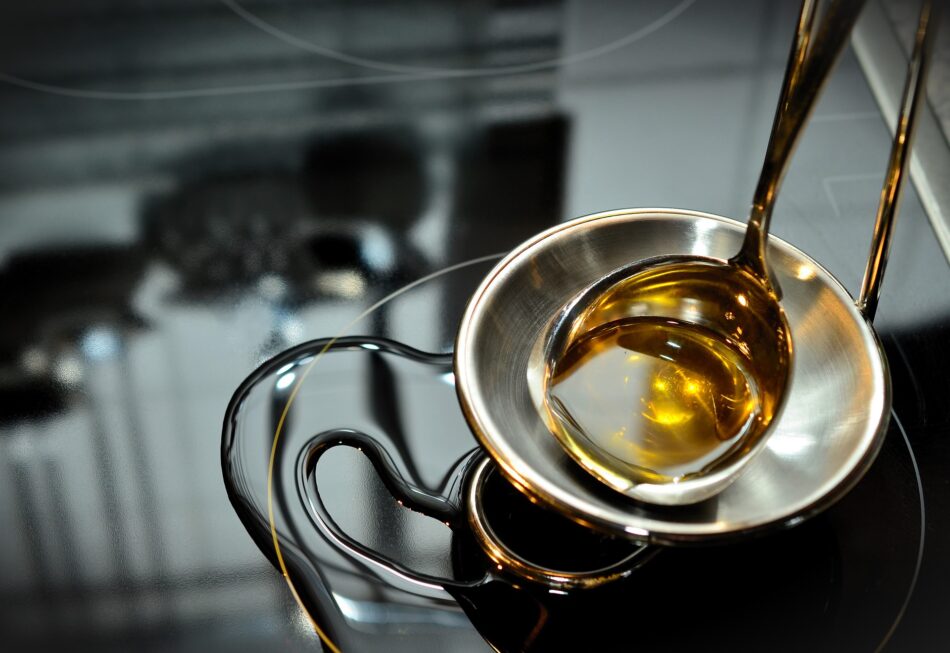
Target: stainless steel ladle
[736, 300]
[836, 406]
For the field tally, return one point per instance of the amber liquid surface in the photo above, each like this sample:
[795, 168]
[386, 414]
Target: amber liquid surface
[656, 397]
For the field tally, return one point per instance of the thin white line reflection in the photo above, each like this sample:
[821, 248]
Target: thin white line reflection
[835, 179]
[923, 531]
[374, 64]
[367, 80]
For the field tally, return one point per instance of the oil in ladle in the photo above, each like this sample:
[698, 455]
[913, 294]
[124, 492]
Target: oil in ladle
[658, 394]
[637, 398]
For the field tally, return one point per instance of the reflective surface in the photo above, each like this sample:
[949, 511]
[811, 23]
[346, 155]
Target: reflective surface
[424, 581]
[138, 289]
[835, 411]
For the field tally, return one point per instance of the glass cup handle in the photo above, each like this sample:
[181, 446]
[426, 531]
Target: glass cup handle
[446, 509]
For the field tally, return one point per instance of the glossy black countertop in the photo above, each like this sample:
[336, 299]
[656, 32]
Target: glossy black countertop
[190, 187]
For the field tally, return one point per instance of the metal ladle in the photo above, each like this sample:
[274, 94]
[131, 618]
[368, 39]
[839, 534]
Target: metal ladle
[736, 299]
[838, 401]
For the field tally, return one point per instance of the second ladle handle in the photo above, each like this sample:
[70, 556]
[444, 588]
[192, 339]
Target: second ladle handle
[897, 163]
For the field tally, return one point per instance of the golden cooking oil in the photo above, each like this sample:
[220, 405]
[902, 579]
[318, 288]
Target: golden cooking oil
[655, 393]
[637, 398]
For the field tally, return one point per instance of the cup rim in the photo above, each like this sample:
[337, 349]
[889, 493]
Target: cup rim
[507, 560]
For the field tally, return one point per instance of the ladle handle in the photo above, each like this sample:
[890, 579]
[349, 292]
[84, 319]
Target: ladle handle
[914, 87]
[810, 62]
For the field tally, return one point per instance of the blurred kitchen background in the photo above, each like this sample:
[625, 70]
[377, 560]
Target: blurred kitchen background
[188, 187]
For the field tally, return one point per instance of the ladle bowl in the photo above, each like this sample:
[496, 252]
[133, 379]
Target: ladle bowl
[724, 300]
[836, 403]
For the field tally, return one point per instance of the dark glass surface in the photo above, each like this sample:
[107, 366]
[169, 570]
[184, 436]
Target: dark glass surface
[189, 187]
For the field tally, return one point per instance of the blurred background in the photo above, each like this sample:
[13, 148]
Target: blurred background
[188, 187]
